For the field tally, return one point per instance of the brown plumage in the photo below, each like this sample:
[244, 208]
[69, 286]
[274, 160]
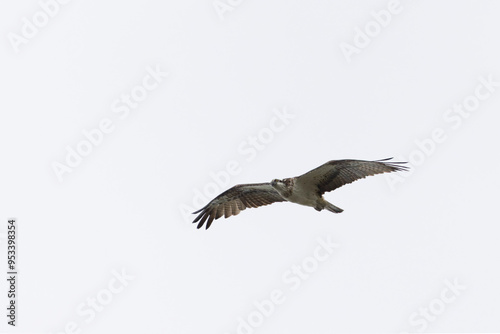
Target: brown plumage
[306, 189]
[236, 199]
[336, 173]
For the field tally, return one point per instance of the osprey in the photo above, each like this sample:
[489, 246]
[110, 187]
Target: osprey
[306, 189]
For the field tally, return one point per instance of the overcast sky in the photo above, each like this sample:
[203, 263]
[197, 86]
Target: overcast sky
[119, 118]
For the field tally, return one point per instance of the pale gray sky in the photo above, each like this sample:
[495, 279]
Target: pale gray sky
[120, 117]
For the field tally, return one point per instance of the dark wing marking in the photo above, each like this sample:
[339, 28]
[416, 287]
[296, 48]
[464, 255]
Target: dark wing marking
[336, 173]
[237, 199]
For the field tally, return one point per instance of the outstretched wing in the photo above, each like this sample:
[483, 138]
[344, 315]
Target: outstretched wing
[236, 199]
[334, 174]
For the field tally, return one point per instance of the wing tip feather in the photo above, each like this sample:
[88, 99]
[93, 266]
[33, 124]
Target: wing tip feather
[396, 166]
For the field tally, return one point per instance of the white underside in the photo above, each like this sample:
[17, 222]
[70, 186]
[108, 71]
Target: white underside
[302, 201]
[308, 198]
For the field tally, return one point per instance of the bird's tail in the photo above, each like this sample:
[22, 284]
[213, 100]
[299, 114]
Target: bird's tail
[333, 208]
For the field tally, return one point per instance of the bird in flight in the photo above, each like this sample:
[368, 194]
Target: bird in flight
[306, 189]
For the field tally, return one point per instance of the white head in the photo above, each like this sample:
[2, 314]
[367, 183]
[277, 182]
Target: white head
[282, 186]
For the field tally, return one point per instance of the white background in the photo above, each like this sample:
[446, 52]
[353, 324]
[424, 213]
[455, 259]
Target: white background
[122, 207]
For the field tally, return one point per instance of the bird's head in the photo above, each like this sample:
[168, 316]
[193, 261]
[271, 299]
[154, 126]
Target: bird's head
[283, 187]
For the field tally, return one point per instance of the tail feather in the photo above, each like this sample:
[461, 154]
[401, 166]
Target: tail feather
[333, 208]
